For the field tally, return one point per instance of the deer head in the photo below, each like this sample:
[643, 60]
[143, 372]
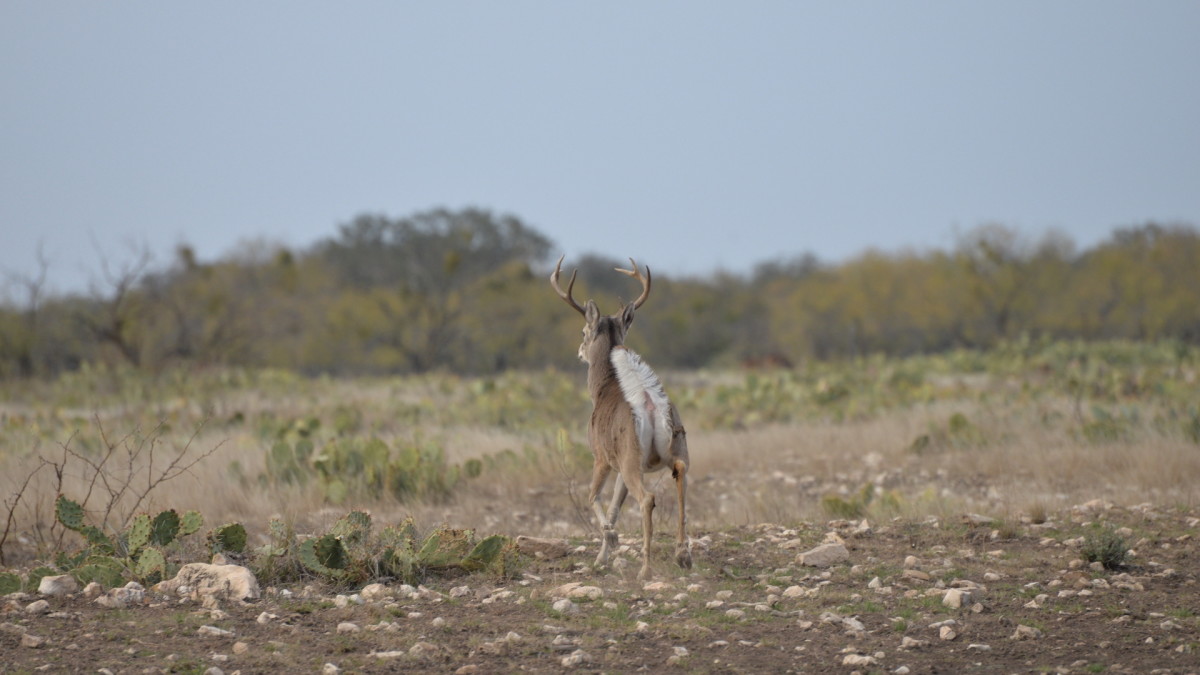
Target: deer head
[602, 333]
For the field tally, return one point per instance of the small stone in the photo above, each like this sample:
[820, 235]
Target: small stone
[460, 592]
[423, 649]
[375, 592]
[916, 574]
[907, 642]
[586, 592]
[656, 587]
[565, 606]
[910, 562]
[266, 617]
[979, 647]
[439, 622]
[1024, 632]
[32, 641]
[955, 598]
[469, 669]
[902, 670]
[93, 590]
[346, 627]
[546, 549]
[38, 607]
[735, 613]
[947, 633]
[858, 660]
[824, 555]
[213, 631]
[330, 669]
[240, 648]
[575, 658]
[58, 585]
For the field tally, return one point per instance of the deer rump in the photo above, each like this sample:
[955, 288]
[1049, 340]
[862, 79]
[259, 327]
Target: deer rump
[651, 409]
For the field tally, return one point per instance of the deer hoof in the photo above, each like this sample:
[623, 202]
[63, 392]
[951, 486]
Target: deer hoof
[683, 556]
[610, 539]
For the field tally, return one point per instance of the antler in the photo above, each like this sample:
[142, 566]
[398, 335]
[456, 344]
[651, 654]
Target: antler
[565, 295]
[636, 274]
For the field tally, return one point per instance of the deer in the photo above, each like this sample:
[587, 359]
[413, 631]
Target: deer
[634, 429]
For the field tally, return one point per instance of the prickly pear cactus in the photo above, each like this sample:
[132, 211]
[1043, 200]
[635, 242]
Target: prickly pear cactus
[231, 537]
[104, 570]
[324, 555]
[151, 565]
[485, 553]
[353, 528]
[9, 583]
[69, 513]
[164, 528]
[190, 523]
[139, 533]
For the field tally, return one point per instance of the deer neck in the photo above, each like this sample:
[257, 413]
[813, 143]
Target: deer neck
[601, 376]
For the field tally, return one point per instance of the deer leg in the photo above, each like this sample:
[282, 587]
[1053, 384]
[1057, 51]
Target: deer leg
[600, 471]
[632, 475]
[683, 552]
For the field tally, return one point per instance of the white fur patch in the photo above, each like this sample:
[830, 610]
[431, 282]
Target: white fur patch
[646, 396]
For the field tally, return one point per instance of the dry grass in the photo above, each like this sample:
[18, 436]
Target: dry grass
[1022, 458]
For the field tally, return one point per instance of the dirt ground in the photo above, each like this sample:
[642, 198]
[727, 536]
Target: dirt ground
[1031, 604]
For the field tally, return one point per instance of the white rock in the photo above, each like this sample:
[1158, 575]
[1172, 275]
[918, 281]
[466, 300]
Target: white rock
[38, 607]
[735, 613]
[979, 647]
[460, 591]
[330, 669]
[947, 633]
[375, 592]
[346, 627]
[58, 585]
[824, 555]
[546, 549]
[565, 606]
[575, 658]
[213, 631]
[586, 592]
[423, 649]
[858, 660]
[31, 641]
[955, 598]
[1024, 632]
[221, 582]
[93, 590]
[907, 642]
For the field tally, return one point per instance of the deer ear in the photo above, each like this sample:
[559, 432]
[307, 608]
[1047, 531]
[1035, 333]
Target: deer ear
[627, 315]
[591, 313]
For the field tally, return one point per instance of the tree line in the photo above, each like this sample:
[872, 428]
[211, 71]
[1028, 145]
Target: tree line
[466, 291]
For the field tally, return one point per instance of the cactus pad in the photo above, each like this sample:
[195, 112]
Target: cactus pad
[190, 523]
[69, 513]
[139, 533]
[231, 537]
[164, 527]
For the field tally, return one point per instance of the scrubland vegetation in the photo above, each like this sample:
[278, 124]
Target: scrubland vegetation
[1023, 428]
[331, 418]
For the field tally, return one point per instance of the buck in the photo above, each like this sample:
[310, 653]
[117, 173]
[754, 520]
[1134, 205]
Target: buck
[634, 430]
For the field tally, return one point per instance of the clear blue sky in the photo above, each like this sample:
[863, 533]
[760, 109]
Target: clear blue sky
[690, 135]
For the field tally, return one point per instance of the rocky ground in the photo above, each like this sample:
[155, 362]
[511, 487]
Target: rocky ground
[964, 594]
